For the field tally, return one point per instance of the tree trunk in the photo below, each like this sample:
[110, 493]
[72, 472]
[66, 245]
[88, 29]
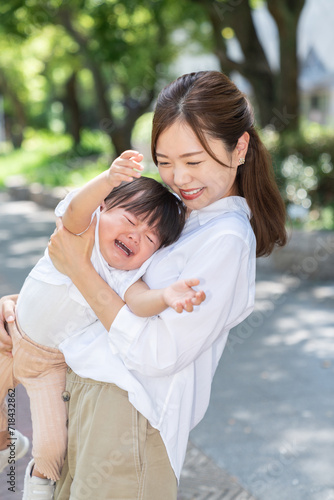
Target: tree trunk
[121, 138]
[104, 109]
[268, 88]
[73, 109]
[255, 67]
[286, 14]
[121, 135]
[17, 125]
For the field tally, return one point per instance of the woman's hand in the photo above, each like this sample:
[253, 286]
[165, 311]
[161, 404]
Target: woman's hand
[7, 316]
[70, 253]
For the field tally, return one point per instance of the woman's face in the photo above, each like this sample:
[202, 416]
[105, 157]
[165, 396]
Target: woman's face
[190, 171]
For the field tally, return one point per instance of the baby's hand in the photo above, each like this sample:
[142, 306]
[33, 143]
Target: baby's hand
[180, 295]
[125, 168]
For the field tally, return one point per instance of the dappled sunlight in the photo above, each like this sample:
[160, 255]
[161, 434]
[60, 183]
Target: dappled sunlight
[313, 342]
[241, 414]
[4, 234]
[323, 345]
[324, 292]
[305, 439]
[19, 263]
[28, 211]
[291, 339]
[273, 287]
[25, 230]
[19, 207]
[267, 295]
[298, 328]
[306, 317]
[27, 246]
[264, 305]
[274, 376]
[41, 218]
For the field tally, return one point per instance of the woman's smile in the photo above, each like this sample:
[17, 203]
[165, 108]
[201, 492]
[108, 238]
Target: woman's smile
[191, 194]
[188, 169]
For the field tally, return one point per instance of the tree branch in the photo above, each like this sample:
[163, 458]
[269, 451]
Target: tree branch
[255, 67]
[100, 86]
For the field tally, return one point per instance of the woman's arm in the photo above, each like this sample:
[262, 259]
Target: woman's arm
[180, 296]
[71, 254]
[7, 316]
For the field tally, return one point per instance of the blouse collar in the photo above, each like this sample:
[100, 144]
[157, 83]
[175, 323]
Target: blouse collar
[219, 207]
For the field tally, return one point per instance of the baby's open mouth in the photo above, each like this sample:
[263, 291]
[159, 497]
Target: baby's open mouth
[124, 248]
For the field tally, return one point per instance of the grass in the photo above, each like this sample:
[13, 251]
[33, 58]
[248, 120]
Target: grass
[51, 160]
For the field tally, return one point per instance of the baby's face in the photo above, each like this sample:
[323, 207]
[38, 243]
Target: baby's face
[125, 240]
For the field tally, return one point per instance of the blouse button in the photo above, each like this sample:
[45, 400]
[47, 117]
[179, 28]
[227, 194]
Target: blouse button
[66, 396]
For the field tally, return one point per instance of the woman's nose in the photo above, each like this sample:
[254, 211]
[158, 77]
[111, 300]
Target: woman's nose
[181, 176]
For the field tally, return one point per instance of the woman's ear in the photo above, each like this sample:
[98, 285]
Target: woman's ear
[242, 148]
[102, 206]
[243, 141]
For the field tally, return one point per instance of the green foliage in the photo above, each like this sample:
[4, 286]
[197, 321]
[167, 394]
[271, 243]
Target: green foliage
[36, 70]
[52, 160]
[118, 53]
[304, 169]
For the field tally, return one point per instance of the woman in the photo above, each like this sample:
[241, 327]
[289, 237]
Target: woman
[137, 391]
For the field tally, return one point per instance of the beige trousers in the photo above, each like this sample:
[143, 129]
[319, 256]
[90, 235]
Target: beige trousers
[42, 371]
[113, 451]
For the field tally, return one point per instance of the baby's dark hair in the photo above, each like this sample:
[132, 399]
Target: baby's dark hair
[151, 201]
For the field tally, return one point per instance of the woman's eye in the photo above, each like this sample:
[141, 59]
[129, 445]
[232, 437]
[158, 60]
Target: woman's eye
[163, 164]
[192, 163]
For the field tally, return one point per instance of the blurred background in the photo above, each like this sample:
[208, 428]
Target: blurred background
[78, 84]
[79, 79]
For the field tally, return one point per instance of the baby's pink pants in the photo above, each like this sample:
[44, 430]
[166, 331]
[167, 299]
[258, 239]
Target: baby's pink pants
[42, 371]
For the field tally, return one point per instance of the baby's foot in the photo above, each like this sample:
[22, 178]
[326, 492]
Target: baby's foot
[17, 448]
[36, 488]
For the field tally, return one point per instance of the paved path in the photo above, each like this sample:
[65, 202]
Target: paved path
[273, 395]
[268, 433]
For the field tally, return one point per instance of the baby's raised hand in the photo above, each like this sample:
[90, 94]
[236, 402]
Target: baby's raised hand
[181, 296]
[125, 168]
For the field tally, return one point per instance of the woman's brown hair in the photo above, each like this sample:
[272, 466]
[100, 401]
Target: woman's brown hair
[213, 106]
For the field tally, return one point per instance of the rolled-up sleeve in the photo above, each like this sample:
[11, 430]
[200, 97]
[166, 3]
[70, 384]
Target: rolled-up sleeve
[165, 344]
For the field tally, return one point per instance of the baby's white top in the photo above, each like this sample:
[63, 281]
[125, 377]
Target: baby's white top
[50, 308]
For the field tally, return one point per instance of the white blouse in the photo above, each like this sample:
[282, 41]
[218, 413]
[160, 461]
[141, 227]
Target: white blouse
[167, 362]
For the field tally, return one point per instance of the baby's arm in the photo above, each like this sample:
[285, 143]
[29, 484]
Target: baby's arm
[180, 296]
[77, 216]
